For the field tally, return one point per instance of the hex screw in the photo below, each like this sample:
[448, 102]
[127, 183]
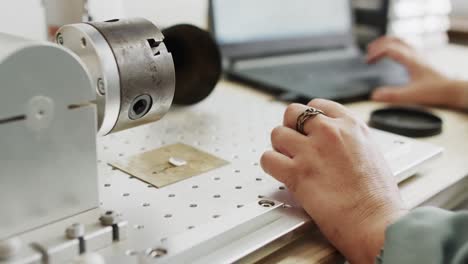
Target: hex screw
[59, 39]
[101, 88]
[156, 253]
[75, 231]
[140, 106]
[109, 218]
[266, 203]
[9, 248]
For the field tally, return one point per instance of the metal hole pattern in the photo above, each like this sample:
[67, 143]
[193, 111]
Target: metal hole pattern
[237, 130]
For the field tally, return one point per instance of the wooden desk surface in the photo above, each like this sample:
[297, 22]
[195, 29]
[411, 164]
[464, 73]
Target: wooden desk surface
[446, 172]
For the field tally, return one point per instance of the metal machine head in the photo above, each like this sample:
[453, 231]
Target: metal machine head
[131, 68]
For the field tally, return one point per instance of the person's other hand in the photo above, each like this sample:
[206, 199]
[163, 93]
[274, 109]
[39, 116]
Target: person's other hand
[339, 176]
[426, 86]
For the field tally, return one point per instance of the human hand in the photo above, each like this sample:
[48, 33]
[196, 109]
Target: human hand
[426, 86]
[339, 176]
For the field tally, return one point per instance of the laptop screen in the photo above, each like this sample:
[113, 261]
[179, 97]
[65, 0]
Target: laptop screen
[244, 21]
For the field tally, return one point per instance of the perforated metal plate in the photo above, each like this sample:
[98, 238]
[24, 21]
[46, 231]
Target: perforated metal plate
[222, 215]
[216, 217]
[231, 124]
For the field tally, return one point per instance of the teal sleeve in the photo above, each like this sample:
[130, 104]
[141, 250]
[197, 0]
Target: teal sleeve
[427, 235]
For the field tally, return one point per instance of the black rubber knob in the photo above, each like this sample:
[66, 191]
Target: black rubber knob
[407, 121]
[197, 62]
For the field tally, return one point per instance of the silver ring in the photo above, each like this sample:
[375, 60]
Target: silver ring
[305, 116]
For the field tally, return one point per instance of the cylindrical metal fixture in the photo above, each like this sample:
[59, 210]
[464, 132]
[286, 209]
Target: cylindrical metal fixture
[133, 70]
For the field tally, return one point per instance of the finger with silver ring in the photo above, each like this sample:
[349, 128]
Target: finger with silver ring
[333, 109]
[307, 115]
[291, 117]
[291, 114]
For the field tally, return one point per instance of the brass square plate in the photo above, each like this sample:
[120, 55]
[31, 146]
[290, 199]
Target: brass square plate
[154, 167]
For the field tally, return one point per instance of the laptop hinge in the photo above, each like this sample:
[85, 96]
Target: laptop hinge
[285, 59]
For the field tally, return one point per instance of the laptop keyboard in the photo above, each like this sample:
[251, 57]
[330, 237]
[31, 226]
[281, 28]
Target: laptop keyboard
[333, 79]
[348, 66]
[342, 78]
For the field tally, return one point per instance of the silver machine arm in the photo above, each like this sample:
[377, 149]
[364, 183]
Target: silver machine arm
[99, 78]
[130, 67]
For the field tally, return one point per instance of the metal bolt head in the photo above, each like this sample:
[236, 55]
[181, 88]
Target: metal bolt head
[75, 231]
[156, 252]
[266, 203]
[9, 248]
[101, 87]
[109, 218]
[59, 39]
[140, 106]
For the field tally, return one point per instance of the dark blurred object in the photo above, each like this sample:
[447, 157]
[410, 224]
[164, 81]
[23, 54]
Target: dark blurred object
[371, 18]
[407, 121]
[197, 62]
[458, 32]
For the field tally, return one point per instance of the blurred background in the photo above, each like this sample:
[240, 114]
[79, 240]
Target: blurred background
[422, 22]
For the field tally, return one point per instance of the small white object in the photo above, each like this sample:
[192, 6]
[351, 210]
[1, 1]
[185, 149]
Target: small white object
[177, 162]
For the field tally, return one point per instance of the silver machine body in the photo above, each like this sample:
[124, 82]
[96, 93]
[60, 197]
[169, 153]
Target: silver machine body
[132, 70]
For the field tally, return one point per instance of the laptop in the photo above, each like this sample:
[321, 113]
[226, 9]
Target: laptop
[299, 49]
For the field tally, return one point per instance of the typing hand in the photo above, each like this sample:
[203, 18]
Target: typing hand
[426, 87]
[338, 175]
